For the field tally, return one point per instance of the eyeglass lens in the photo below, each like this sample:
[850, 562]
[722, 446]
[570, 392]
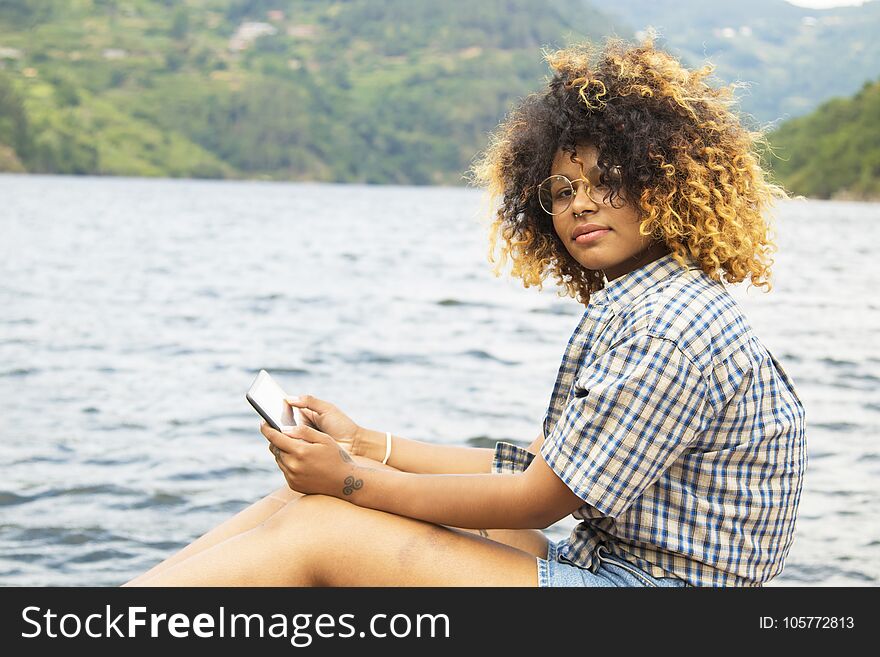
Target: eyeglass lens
[557, 192]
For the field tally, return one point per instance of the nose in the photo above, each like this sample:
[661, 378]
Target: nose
[582, 201]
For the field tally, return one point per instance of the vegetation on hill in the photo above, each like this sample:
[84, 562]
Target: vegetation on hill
[392, 91]
[833, 152]
[791, 58]
[364, 91]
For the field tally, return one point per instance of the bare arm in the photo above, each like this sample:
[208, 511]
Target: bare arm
[429, 458]
[533, 499]
[424, 458]
[313, 462]
[535, 447]
[406, 454]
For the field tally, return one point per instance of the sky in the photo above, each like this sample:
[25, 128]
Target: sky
[824, 4]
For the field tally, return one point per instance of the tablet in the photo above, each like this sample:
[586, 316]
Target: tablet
[268, 399]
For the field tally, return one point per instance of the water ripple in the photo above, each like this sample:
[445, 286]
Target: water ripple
[124, 430]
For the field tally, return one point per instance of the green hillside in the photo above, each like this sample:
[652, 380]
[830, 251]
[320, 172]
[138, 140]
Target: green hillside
[792, 58]
[835, 151]
[391, 91]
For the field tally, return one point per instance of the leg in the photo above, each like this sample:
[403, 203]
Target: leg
[305, 544]
[532, 541]
[241, 522]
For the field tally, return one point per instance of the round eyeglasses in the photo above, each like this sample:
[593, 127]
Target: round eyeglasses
[556, 193]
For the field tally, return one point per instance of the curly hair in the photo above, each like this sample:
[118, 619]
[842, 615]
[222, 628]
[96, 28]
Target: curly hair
[686, 157]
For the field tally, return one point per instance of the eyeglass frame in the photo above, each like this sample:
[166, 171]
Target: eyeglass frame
[590, 188]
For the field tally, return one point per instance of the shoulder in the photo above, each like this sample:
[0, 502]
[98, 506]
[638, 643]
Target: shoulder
[693, 312]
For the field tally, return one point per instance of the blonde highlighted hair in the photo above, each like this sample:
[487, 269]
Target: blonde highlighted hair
[688, 161]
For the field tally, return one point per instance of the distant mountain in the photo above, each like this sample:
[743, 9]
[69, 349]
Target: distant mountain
[833, 152]
[401, 91]
[794, 58]
[377, 91]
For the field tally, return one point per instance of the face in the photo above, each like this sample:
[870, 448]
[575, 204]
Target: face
[599, 236]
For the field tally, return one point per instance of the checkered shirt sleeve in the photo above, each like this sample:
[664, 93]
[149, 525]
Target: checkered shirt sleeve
[510, 459]
[633, 411]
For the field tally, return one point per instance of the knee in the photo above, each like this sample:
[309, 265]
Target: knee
[284, 494]
[303, 515]
[319, 505]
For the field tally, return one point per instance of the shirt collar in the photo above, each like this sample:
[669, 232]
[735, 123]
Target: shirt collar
[622, 291]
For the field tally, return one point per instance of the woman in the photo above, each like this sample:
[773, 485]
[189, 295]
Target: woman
[672, 433]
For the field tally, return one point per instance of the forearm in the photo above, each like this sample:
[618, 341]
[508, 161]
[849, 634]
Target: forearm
[471, 501]
[424, 458]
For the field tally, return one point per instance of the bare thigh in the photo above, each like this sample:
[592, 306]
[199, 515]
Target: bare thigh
[384, 549]
[392, 550]
[323, 541]
[531, 541]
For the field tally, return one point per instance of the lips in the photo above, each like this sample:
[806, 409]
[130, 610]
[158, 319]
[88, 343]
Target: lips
[586, 229]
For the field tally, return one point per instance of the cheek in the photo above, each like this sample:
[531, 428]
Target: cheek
[634, 238]
[629, 224]
[559, 228]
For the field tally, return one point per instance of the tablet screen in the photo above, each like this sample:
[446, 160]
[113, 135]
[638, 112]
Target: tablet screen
[267, 398]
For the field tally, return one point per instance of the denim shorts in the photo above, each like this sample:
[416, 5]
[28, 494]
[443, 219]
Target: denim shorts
[609, 571]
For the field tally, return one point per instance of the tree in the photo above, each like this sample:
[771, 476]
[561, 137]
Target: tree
[14, 130]
[180, 23]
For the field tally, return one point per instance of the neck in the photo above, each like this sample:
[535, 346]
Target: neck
[655, 251]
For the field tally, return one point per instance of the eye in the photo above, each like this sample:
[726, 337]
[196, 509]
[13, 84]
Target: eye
[562, 193]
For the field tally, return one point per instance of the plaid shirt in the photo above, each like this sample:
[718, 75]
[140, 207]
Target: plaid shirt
[677, 428]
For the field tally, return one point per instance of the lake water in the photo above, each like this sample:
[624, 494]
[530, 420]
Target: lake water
[135, 313]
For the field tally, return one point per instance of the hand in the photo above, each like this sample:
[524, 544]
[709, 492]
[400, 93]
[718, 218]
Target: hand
[312, 462]
[325, 417]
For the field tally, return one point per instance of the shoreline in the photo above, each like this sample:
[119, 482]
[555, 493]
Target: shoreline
[843, 196]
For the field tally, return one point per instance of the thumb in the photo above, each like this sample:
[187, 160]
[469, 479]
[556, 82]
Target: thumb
[310, 402]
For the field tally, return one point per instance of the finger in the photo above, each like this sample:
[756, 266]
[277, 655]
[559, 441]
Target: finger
[271, 434]
[311, 402]
[308, 434]
[284, 471]
[281, 459]
[297, 415]
[286, 443]
[309, 415]
[305, 417]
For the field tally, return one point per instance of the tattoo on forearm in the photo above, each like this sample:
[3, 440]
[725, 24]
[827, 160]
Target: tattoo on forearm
[352, 484]
[483, 533]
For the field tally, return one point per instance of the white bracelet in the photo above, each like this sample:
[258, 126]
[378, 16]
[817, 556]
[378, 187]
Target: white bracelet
[387, 447]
